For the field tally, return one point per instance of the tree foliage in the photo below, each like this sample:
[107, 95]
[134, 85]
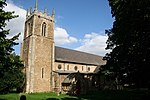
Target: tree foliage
[129, 42]
[11, 75]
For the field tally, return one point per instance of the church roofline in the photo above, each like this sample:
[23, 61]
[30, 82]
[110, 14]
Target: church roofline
[74, 56]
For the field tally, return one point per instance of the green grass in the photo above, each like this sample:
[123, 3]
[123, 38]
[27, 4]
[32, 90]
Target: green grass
[100, 95]
[37, 96]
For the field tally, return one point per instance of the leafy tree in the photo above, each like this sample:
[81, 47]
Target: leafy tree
[129, 38]
[11, 75]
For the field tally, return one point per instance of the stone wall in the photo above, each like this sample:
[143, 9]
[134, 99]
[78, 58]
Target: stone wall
[61, 71]
[38, 52]
[71, 67]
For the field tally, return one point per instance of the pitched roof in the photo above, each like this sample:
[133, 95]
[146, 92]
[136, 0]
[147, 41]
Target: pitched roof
[68, 55]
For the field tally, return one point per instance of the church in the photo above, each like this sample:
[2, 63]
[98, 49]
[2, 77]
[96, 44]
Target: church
[52, 68]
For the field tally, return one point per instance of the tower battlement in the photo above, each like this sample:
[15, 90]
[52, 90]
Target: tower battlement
[36, 12]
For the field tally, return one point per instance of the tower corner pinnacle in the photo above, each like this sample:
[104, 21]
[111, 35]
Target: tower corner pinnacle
[53, 12]
[36, 6]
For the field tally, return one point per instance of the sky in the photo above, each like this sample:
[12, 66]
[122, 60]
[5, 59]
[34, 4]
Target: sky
[79, 24]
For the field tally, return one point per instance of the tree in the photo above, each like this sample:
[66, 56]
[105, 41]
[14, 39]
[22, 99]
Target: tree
[129, 42]
[11, 75]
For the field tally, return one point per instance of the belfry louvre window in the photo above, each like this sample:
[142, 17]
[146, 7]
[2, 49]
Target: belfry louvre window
[44, 29]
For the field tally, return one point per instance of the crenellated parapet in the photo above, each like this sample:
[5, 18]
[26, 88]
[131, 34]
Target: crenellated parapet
[36, 12]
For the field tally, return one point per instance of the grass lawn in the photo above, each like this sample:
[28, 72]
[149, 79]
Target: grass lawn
[100, 95]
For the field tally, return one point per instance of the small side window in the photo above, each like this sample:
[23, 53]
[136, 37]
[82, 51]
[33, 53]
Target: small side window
[42, 73]
[82, 68]
[67, 67]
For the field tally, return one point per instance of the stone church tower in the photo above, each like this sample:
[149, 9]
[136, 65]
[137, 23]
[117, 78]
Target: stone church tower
[38, 50]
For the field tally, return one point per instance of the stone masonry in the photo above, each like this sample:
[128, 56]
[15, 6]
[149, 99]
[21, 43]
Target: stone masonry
[38, 50]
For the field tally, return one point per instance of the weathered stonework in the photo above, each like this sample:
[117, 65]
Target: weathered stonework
[44, 71]
[38, 52]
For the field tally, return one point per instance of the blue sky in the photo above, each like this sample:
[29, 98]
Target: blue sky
[79, 24]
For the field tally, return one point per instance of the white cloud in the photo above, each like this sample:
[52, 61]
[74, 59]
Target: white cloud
[16, 25]
[61, 37]
[94, 43]
[91, 43]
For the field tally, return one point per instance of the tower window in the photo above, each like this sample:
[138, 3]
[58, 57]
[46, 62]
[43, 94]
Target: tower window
[44, 29]
[42, 73]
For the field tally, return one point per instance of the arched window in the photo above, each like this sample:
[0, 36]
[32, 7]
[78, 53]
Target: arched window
[44, 29]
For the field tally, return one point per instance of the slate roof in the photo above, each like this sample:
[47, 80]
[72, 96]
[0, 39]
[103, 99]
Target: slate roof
[73, 56]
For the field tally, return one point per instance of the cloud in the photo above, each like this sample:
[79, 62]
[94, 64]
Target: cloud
[16, 25]
[94, 43]
[91, 43]
[61, 37]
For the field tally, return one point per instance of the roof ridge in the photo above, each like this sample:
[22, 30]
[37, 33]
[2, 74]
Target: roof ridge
[69, 55]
